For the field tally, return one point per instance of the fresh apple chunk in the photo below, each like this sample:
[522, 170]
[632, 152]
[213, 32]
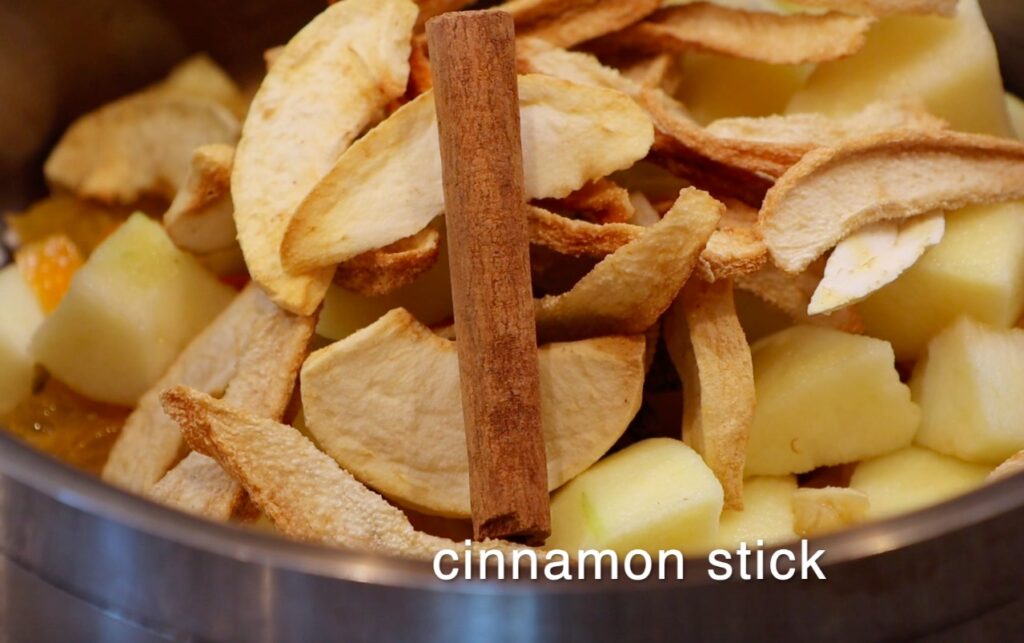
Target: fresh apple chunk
[977, 270]
[722, 87]
[949, 64]
[128, 313]
[1015, 107]
[914, 478]
[655, 494]
[969, 389]
[767, 514]
[825, 397]
[828, 509]
[20, 316]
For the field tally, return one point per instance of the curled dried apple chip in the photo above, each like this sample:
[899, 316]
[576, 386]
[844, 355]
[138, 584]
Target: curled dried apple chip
[761, 36]
[628, 291]
[306, 494]
[331, 82]
[385, 403]
[710, 351]
[381, 272]
[872, 257]
[736, 247]
[833, 192]
[577, 238]
[566, 23]
[396, 168]
[201, 217]
[137, 147]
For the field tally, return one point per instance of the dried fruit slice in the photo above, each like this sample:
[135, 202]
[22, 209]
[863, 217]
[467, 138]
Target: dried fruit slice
[381, 272]
[886, 7]
[764, 37]
[431, 8]
[137, 147]
[385, 403]
[577, 238]
[1011, 467]
[872, 257]
[301, 489]
[711, 354]
[792, 295]
[599, 201]
[150, 442]
[200, 218]
[736, 247]
[832, 192]
[332, 81]
[200, 76]
[628, 291]
[397, 167]
[566, 23]
[821, 511]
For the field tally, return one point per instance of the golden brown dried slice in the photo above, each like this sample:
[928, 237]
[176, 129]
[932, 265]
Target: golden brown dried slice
[380, 272]
[201, 217]
[832, 192]
[276, 343]
[301, 489]
[599, 201]
[711, 354]
[431, 8]
[385, 403]
[628, 291]
[387, 186]
[200, 76]
[576, 238]
[331, 82]
[1011, 467]
[765, 37]
[736, 247]
[792, 295]
[137, 147]
[150, 443]
[828, 509]
[566, 23]
[880, 8]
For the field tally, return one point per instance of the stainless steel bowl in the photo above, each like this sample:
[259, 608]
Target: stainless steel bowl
[80, 561]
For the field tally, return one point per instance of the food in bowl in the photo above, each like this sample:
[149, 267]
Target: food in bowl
[764, 312]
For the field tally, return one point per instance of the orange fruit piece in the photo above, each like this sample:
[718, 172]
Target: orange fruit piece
[48, 267]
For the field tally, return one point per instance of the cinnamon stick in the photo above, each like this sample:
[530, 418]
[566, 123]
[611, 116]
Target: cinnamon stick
[477, 98]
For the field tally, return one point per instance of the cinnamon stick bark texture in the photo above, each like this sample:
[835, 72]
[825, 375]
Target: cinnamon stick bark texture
[477, 98]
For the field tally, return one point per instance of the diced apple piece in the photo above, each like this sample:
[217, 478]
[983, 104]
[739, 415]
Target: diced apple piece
[20, 316]
[914, 478]
[825, 397]
[1015, 107]
[758, 318]
[723, 87]
[767, 514]
[970, 391]
[429, 299]
[977, 270]
[128, 313]
[950, 64]
[822, 511]
[655, 494]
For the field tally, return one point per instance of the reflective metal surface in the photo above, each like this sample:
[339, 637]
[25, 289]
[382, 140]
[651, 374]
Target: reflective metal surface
[81, 561]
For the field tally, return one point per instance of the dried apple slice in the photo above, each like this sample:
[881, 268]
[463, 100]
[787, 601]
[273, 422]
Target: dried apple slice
[331, 82]
[306, 494]
[710, 351]
[150, 443]
[137, 147]
[736, 247]
[872, 257]
[385, 403]
[1011, 467]
[599, 201]
[381, 272]
[628, 291]
[765, 37]
[201, 217]
[822, 511]
[200, 76]
[431, 8]
[833, 192]
[792, 295]
[567, 23]
[396, 168]
[881, 8]
[577, 238]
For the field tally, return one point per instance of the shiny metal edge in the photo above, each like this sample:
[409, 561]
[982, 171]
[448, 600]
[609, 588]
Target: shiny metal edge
[88, 494]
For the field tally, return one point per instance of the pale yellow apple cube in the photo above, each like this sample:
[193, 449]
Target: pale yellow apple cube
[977, 270]
[951, 65]
[129, 311]
[20, 316]
[825, 397]
[723, 87]
[914, 478]
[971, 392]
[767, 514]
[822, 511]
[654, 495]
